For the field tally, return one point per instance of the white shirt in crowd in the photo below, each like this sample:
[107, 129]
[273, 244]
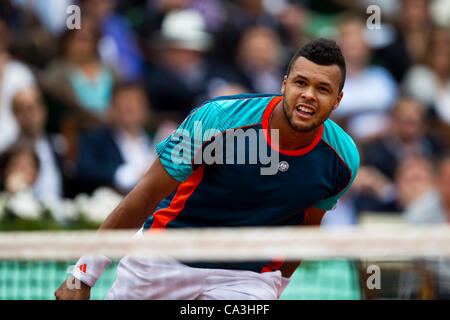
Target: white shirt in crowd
[48, 184]
[138, 154]
[368, 96]
[15, 77]
[422, 83]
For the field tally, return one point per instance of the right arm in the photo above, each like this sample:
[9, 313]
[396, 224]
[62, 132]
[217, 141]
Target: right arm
[136, 207]
[157, 183]
[131, 213]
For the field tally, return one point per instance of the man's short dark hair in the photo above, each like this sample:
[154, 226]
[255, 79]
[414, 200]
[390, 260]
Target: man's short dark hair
[323, 52]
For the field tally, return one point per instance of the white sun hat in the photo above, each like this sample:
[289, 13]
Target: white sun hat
[185, 29]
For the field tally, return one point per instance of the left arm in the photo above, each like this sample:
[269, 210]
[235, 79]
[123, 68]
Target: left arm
[313, 218]
[349, 154]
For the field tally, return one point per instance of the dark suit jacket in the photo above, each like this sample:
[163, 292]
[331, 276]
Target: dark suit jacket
[98, 159]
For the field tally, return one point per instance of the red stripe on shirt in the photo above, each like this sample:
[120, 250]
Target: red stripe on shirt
[163, 216]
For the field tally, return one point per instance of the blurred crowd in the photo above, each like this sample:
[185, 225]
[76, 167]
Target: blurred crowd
[82, 109]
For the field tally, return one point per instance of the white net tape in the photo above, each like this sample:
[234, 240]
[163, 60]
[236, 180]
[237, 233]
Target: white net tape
[291, 243]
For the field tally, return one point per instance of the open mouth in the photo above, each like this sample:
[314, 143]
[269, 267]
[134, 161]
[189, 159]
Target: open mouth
[304, 111]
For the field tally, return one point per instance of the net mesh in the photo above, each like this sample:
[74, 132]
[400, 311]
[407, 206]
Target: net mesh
[328, 271]
[37, 280]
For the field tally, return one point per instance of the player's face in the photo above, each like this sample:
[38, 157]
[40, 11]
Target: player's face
[310, 94]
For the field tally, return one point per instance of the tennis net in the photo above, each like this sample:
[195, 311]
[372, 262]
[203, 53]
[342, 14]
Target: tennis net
[347, 263]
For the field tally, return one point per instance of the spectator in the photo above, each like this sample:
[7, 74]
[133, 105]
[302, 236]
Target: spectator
[78, 77]
[54, 20]
[415, 25]
[444, 184]
[182, 74]
[30, 113]
[374, 188]
[343, 215]
[440, 10]
[369, 91]
[156, 11]
[119, 154]
[402, 39]
[19, 168]
[405, 138]
[294, 18]
[259, 60]
[14, 77]
[430, 82]
[117, 43]
[32, 43]
[426, 198]
[374, 192]
[19, 171]
[239, 16]
[432, 206]
[388, 42]
[414, 179]
[212, 12]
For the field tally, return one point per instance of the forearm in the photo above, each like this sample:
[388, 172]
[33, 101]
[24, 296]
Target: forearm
[131, 213]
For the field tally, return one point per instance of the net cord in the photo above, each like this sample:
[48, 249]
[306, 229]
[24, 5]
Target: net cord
[233, 244]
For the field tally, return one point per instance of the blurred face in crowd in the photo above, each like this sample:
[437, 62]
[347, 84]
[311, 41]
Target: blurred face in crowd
[81, 45]
[407, 119]
[30, 112]
[21, 171]
[440, 53]
[260, 49]
[353, 45]
[179, 59]
[129, 108]
[310, 93]
[414, 14]
[414, 177]
[443, 179]
[294, 18]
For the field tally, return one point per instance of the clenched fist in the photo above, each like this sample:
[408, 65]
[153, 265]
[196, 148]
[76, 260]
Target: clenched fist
[73, 289]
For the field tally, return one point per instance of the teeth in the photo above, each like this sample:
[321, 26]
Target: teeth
[307, 110]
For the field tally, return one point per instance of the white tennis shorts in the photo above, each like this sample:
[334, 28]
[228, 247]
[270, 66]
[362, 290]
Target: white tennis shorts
[141, 279]
[144, 279]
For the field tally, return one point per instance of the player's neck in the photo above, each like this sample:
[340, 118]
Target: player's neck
[289, 139]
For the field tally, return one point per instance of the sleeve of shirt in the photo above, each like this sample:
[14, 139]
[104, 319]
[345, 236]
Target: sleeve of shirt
[178, 150]
[331, 202]
[347, 150]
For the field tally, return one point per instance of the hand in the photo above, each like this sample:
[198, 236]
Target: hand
[370, 180]
[414, 178]
[73, 289]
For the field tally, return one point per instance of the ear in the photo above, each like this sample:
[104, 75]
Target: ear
[338, 100]
[283, 86]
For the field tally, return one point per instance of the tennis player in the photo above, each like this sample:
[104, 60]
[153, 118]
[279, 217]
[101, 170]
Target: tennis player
[315, 164]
